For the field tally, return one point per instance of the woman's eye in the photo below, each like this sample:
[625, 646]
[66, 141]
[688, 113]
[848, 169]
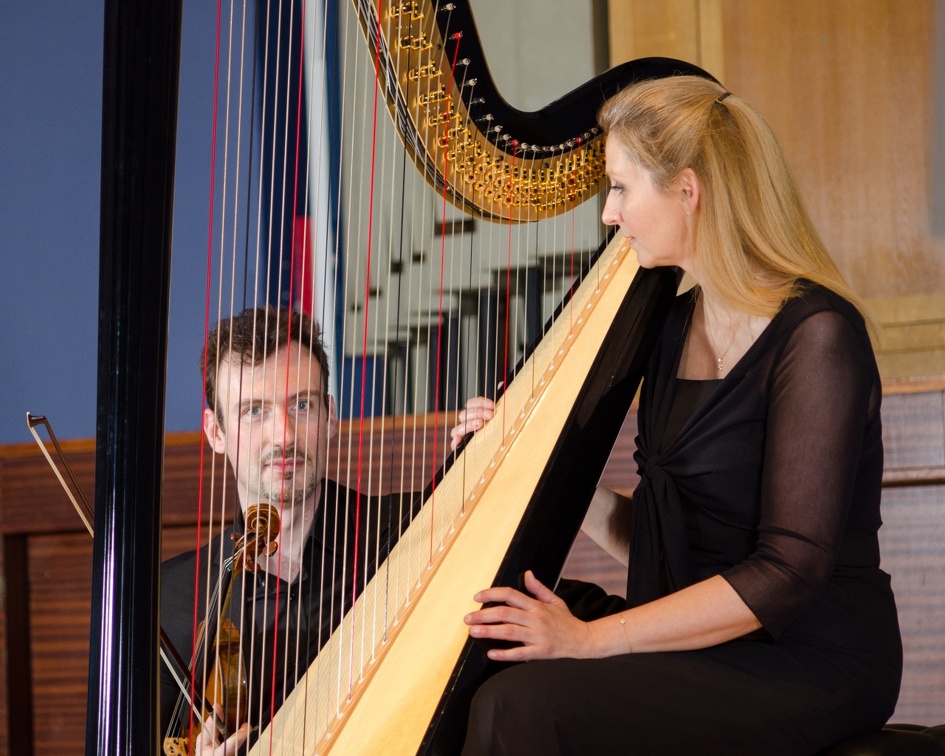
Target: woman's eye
[616, 188]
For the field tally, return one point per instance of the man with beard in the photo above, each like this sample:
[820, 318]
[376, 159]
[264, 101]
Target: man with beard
[269, 412]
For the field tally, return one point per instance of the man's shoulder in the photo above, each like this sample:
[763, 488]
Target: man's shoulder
[182, 562]
[183, 565]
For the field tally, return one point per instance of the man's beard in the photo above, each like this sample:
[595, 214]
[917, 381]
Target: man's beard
[292, 488]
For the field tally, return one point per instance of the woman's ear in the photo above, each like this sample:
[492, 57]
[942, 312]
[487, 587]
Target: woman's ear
[688, 185]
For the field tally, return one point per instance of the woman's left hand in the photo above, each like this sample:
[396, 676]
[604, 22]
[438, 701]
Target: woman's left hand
[541, 623]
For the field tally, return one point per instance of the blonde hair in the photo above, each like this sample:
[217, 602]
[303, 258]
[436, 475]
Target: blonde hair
[755, 239]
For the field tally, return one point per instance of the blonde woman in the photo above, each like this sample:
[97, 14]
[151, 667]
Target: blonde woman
[757, 620]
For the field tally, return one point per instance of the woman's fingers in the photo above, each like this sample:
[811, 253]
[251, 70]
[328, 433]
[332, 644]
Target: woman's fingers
[541, 623]
[504, 595]
[479, 410]
[480, 404]
[539, 590]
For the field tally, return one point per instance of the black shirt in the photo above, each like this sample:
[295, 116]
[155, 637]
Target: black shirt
[281, 626]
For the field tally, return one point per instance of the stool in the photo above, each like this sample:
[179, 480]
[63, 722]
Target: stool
[893, 740]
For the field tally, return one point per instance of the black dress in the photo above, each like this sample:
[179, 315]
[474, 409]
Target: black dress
[770, 478]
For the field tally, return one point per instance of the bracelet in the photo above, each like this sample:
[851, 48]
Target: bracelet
[623, 623]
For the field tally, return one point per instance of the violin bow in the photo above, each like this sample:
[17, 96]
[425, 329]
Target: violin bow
[169, 655]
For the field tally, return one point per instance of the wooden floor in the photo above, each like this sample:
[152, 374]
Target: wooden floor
[46, 569]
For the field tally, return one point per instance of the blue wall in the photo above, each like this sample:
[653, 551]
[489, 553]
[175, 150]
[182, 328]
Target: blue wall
[50, 148]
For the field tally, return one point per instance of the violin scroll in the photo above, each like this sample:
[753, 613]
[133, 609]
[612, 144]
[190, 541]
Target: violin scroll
[258, 538]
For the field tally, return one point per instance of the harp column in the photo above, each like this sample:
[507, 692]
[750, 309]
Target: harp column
[139, 122]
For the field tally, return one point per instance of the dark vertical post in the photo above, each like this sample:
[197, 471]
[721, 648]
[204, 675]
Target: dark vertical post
[489, 358]
[139, 124]
[16, 611]
[533, 294]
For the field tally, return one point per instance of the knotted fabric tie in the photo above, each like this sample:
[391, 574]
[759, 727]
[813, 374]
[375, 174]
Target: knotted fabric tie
[659, 555]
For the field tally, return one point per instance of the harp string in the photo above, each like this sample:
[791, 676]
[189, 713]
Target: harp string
[296, 252]
[429, 327]
[369, 257]
[251, 262]
[197, 609]
[440, 318]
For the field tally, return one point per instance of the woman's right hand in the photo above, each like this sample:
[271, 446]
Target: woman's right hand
[478, 412]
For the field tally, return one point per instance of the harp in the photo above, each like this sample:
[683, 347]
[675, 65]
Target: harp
[489, 161]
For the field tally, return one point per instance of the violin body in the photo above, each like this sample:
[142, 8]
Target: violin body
[225, 688]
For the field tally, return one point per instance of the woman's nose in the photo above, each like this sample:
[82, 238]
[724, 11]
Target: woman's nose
[610, 216]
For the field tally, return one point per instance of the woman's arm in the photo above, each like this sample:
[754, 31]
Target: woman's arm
[608, 516]
[608, 523]
[702, 615]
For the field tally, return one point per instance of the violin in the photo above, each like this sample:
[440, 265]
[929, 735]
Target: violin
[227, 684]
[224, 693]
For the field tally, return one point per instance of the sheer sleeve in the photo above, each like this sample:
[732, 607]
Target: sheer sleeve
[824, 397]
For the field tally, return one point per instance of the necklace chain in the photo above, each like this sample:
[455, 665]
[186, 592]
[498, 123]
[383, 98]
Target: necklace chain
[720, 358]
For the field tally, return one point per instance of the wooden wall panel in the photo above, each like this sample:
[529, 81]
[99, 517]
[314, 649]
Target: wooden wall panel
[689, 30]
[914, 437]
[60, 573]
[849, 88]
[913, 551]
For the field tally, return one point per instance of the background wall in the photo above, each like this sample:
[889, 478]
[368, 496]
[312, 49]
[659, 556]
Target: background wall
[50, 132]
[850, 89]
[50, 129]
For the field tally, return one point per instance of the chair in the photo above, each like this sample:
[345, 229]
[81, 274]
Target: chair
[893, 740]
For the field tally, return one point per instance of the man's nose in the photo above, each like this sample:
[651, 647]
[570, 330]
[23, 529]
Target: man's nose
[283, 427]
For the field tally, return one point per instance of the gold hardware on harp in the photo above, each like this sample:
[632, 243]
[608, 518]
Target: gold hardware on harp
[477, 181]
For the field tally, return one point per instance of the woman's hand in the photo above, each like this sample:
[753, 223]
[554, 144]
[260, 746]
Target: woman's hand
[206, 743]
[541, 623]
[478, 412]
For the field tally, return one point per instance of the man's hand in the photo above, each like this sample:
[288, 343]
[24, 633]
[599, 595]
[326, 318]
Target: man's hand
[207, 742]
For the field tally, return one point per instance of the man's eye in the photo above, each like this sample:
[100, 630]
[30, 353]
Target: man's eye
[303, 405]
[254, 412]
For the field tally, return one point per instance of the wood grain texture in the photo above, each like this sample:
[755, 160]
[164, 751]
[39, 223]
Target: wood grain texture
[849, 88]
